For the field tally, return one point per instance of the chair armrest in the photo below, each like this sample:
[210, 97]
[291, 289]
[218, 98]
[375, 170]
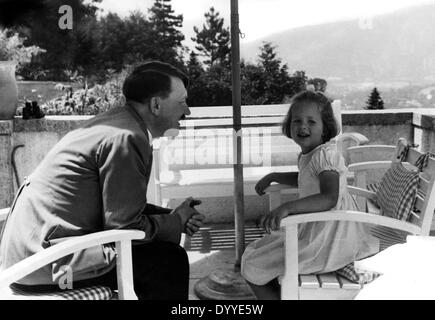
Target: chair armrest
[4, 214]
[369, 165]
[358, 138]
[349, 215]
[369, 147]
[362, 192]
[274, 192]
[373, 165]
[278, 187]
[46, 256]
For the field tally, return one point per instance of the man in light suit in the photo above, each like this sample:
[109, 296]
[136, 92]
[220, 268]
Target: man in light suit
[96, 179]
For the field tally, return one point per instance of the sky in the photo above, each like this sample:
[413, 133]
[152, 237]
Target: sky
[259, 18]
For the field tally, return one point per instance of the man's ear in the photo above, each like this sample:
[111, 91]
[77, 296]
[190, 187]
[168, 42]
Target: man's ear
[155, 106]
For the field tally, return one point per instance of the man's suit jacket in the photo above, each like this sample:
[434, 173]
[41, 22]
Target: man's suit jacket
[94, 179]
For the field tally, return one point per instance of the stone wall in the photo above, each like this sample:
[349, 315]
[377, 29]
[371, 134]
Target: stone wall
[34, 138]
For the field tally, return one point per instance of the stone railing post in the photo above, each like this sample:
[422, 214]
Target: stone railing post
[6, 173]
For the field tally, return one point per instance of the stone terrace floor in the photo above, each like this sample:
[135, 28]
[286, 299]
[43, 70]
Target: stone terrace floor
[213, 247]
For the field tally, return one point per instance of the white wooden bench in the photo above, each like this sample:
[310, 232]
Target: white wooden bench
[178, 181]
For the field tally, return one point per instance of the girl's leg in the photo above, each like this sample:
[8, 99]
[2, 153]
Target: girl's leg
[269, 291]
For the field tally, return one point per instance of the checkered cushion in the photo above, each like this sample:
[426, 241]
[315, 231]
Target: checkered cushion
[355, 275]
[88, 293]
[373, 187]
[422, 161]
[397, 192]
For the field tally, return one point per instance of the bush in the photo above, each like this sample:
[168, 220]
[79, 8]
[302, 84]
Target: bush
[97, 99]
[12, 48]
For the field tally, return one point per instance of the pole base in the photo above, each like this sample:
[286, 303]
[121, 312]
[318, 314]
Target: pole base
[223, 284]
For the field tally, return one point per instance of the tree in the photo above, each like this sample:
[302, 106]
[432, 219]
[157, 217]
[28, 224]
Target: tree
[138, 33]
[196, 77]
[86, 57]
[298, 83]
[277, 84]
[194, 67]
[112, 41]
[213, 41]
[252, 83]
[268, 59]
[211, 88]
[165, 36]
[40, 26]
[12, 11]
[375, 101]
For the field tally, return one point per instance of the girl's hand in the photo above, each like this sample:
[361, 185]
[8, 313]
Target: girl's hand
[263, 183]
[271, 222]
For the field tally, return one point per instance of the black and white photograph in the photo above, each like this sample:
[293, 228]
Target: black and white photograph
[215, 154]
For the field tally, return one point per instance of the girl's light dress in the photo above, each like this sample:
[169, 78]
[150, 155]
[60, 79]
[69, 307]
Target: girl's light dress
[323, 246]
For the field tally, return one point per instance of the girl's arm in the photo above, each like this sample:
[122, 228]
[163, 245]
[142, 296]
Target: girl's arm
[323, 201]
[288, 178]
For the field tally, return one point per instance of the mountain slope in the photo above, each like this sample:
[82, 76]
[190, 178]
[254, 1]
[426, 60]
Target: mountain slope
[395, 46]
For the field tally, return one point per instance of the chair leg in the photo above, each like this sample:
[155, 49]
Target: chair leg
[290, 284]
[124, 271]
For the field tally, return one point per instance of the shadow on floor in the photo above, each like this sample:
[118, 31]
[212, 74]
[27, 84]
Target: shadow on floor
[219, 237]
[212, 248]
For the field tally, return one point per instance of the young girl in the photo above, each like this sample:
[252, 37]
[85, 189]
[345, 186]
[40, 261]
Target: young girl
[323, 246]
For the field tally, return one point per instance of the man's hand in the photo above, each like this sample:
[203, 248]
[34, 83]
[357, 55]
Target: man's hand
[193, 224]
[191, 219]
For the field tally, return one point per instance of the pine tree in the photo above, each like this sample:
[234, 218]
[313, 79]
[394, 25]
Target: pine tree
[276, 80]
[194, 67]
[375, 101]
[213, 40]
[166, 38]
[268, 59]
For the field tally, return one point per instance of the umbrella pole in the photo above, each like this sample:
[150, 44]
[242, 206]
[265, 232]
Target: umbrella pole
[229, 284]
[237, 137]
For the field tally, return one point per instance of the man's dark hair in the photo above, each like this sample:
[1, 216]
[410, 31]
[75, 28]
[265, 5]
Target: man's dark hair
[149, 79]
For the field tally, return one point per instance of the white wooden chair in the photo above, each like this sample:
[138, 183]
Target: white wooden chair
[122, 240]
[331, 286]
[368, 164]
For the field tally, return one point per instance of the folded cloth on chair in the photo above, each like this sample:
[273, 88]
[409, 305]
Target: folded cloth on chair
[397, 192]
[357, 275]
